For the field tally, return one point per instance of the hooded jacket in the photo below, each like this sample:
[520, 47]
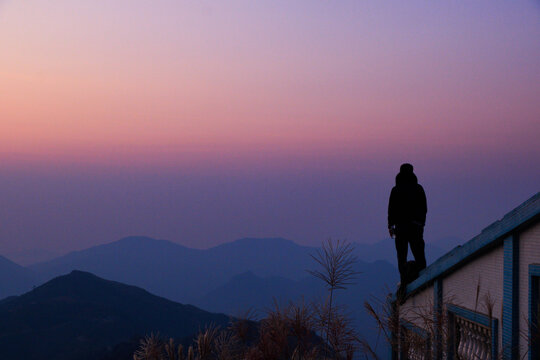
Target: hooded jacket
[407, 201]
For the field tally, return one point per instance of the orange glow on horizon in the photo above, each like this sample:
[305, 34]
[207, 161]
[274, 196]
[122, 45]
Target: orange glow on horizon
[158, 85]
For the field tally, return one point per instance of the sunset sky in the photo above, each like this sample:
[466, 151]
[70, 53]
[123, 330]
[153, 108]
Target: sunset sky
[205, 121]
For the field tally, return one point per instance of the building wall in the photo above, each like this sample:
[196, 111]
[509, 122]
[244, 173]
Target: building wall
[529, 253]
[416, 308]
[473, 284]
[484, 276]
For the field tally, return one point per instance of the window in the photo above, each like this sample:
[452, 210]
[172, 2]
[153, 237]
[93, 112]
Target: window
[471, 335]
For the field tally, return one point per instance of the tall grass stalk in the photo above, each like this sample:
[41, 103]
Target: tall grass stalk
[337, 259]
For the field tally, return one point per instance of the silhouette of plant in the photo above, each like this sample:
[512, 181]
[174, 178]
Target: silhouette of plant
[337, 260]
[205, 342]
[151, 348]
[287, 332]
[172, 353]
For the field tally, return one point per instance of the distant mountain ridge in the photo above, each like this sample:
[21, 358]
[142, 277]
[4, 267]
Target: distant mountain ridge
[14, 279]
[386, 250]
[232, 277]
[81, 316]
[147, 262]
[159, 265]
[249, 292]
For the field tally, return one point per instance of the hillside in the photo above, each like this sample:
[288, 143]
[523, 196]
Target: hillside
[14, 279]
[247, 274]
[81, 316]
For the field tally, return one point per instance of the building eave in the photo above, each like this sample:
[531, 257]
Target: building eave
[516, 220]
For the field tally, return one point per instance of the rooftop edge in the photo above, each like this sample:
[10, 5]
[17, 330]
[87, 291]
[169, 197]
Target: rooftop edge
[522, 214]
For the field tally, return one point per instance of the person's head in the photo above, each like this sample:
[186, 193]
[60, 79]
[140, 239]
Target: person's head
[406, 175]
[406, 168]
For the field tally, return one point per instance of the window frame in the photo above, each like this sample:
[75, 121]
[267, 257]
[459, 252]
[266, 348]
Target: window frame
[534, 288]
[472, 316]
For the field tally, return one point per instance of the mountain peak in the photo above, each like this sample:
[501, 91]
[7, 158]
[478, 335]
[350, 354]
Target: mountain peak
[90, 315]
[135, 239]
[83, 285]
[143, 241]
[79, 274]
[265, 241]
[4, 261]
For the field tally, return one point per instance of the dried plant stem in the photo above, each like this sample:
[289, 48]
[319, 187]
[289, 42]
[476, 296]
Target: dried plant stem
[337, 261]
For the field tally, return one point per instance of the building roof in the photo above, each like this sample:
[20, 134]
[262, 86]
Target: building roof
[522, 216]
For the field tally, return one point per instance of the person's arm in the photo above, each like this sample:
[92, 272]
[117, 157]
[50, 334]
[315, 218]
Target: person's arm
[391, 211]
[423, 205]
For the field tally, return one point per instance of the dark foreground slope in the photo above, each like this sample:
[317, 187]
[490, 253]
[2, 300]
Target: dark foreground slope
[81, 316]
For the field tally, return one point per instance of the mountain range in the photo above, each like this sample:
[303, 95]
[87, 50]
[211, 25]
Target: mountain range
[142, 260]
[232, 278]
[81, 316]
[180, 273]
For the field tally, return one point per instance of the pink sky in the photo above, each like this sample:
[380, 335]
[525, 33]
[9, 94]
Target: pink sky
[275, 86]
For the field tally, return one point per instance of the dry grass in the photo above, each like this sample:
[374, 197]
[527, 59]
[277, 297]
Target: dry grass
[385, 314]
[337, 259]
[151, 348]
[286, 332]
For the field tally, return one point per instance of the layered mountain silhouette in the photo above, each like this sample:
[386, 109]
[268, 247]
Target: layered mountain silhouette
[247, 274]
[160, 265]
[14, 279]
[82, 316]
[180, 273]
[248, 291]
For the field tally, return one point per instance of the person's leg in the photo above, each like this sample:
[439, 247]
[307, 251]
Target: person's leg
[402, 248]
[417, 247]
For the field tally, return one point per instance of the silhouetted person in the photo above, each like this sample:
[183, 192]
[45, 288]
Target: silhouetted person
[407, 210]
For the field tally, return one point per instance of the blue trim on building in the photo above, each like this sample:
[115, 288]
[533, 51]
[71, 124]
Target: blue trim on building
[470, 315]
[410, 326]
[418, 330]
[481, 319]
[494, 339]
[499, 232]
[490, 236]
[510, 325]
[437, 318]
[534, 284]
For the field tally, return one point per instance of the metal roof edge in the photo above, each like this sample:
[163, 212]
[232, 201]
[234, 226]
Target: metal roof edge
[521, 215]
